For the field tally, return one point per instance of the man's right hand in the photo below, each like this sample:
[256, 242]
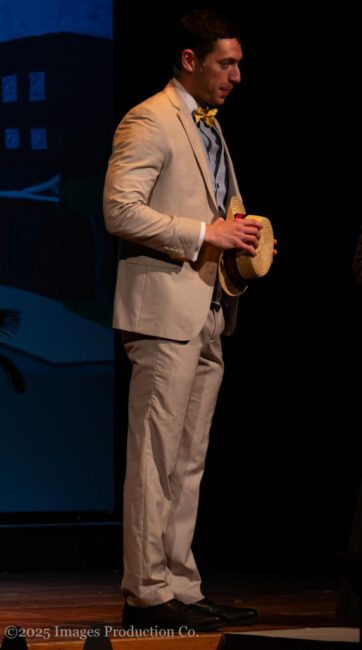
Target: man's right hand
[235, 233]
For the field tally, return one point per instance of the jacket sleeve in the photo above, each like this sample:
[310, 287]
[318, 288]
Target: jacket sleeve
[138, 157]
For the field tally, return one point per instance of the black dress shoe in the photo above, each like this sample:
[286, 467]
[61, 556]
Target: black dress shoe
[172, 615]
[227, 615]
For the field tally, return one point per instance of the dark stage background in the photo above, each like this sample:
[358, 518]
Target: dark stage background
[283, 467]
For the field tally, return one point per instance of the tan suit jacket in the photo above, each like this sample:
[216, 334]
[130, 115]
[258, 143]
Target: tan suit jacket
[157, 190]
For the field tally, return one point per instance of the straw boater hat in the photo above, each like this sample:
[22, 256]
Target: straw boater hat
[236, 266]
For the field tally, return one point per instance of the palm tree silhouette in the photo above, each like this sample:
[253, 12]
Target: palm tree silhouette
[9, 323]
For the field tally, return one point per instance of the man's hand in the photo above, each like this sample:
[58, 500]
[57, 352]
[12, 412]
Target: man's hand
[236, 233]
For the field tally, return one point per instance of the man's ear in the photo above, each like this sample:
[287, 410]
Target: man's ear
[188, 60]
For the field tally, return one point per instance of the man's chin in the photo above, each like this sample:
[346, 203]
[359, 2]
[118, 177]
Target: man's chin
[219, 101]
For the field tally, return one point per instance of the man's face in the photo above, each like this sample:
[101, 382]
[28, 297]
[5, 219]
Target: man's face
[213, 79]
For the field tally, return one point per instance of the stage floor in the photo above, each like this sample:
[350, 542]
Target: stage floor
[60, 608]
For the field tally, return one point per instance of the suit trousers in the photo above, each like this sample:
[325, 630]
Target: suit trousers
[173, 392]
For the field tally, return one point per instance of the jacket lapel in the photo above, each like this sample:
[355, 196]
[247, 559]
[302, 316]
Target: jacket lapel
[188, 124]
[233, 188]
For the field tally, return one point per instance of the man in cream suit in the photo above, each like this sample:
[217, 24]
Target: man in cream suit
[169, 181]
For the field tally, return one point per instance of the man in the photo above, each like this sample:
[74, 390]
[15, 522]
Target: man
[168, 184]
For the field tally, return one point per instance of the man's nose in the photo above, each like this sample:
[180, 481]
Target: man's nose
[235, 75]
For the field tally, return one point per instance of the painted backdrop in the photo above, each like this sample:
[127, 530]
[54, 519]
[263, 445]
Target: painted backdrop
[56, 260]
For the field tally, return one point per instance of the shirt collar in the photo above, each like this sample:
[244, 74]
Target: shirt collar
[191, 102]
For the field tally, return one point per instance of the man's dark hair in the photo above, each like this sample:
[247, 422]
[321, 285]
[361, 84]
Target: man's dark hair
[198, 31]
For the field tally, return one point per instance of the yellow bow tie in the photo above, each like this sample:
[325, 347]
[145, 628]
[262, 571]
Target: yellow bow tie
[207, 116]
